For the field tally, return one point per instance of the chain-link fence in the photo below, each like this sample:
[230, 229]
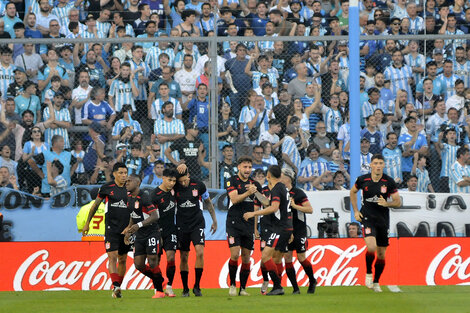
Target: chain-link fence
[158, 102]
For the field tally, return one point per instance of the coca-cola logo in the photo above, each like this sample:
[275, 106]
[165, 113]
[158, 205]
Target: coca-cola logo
[38, 273]
[333, 266]
[449, 268]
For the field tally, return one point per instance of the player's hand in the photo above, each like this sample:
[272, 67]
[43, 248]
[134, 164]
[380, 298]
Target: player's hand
[248, 215]
[358, 216]
[214, 227]
[291, 238]
[181, 168]
[126, 239]
[382, 201]
[85, 229]
[134, 228]
[257, 236]
[252, 189]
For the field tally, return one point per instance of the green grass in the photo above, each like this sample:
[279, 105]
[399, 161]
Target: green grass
[442, 299]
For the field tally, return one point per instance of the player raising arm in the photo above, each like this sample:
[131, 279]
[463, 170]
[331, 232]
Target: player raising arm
[375, 216]
[244, 194]
[116, 219]
[143, 223]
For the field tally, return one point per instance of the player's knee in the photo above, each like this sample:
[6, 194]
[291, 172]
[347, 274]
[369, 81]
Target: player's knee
[170, 257]
[184, 257]
[122, 259]
[200, 253]
[140, 267]
[153, 261]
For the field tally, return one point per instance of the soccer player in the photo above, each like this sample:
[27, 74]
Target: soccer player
[374, 215]
[143, 223]
[190, 223]
[265, 230]
[116, 219]
[163, 197]
[281, 218]
[300, 206]
[244, 194]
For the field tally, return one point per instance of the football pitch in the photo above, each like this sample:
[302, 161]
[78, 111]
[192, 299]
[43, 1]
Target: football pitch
[442, 299]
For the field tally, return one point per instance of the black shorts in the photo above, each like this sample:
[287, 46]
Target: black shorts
[300, 242]
[264, 234]
[113, 242]
[279, 240]
[372, 227]
[196, 236]
[238, 237]
[169, 241]
[147, 246]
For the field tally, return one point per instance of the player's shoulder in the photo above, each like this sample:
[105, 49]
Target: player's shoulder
[387, 178]
[298, 192]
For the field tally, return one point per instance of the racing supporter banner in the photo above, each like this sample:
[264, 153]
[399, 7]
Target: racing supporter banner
[30, 218]
[336, 262]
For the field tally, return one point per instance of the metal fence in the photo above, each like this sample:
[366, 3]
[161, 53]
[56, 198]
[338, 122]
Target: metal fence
[282, 100]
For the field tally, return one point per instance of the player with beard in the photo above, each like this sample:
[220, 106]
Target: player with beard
[143, 223]
[116, 219]
[281, 217]
[375, 217]
[300, 206]
[244, 194]
[163, 198]
[190, 223]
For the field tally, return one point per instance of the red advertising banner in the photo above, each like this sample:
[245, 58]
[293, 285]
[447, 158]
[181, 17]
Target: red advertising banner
[83, 265]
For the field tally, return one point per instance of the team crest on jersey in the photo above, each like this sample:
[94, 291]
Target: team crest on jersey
[172, 192]
[136, 204]
[228, 184]
[195, 193]
[383, 189]
[231, 240]
[367, 231]
[107, 245]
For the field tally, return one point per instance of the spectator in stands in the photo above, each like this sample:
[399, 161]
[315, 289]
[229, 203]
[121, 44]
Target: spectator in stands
[457, 100]
[447, 147]
[459, 181]
[168, 129]
[393, 156]
[419, 169]
[366, 156]
[258, 162]
[410, 142]
[325, 143]
[311, 168]
[55, 179]
[62, 121]
[6, 69]
[98, 110]
[28, 101]
[57, 152]
[6, 161]
[81, 95]
[448, 78]
[7, 180]
[290, 152]
[156, 177]
[297, 86]
[123, 89]
[125, 121]
[372, 134]
[268, 156]
[186, 78]
[260, 176]
[411, 184]
[50, 70]
[30, 61]
[337, 164]
[10, 18]
[228, 167]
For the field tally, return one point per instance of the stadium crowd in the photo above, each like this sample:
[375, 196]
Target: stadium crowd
[283, 102]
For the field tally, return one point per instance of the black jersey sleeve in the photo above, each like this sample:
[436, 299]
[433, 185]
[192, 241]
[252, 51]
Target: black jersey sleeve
[260, 190]
[231, 184]
[300, 197]
[276, 194]
[103, 192]
[359, 182]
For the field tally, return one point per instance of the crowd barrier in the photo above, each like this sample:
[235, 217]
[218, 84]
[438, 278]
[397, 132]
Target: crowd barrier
[336, 262]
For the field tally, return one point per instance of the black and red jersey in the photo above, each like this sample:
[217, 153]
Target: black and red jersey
[371, 192]
[189, 199]
[116, 210]
[265, 220]
[141, 207]
[299, 219]
[236, 211]
[282, 218]
[165, 202]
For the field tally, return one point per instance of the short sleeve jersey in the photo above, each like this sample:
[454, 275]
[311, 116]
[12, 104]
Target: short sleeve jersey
[189, 214]
[165, 202]
[140, 207]
[371, 192]
[299, 219]
[282, 218]
[116, 211]
[236, 211]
